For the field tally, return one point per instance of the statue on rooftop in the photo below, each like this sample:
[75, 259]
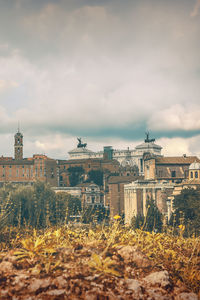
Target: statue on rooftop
[148, 140]
[80, 145]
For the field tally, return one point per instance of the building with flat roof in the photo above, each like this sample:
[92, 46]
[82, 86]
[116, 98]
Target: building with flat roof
[20, 170]
[133, 157]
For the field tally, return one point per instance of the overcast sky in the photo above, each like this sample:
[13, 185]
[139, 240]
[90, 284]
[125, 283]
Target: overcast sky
[103, 70]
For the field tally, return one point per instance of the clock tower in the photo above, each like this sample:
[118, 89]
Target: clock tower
[18, 146]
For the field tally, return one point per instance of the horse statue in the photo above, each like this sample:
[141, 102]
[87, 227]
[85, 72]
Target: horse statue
[80, 145]
[148, 140]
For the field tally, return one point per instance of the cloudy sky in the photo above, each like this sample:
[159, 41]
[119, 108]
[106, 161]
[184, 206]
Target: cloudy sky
[103, 70]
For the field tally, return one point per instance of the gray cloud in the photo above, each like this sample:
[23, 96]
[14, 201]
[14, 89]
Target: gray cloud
[99, 69]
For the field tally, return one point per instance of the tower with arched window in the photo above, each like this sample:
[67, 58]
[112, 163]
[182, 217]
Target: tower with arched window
[194, 171]
[18, 146]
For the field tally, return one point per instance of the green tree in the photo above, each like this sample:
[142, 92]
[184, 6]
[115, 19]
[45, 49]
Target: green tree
[152, 220]
[187, 210]
[75, 175]
[37, 206]
[96, 176]
[95, 214]
[67, 206]
[137, 221]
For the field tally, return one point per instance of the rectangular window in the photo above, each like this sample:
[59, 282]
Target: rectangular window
[10, 171]
[141, 164]
[173, 173]
[31, 171]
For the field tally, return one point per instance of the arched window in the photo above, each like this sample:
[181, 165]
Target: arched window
[191, 174]
[196, 174]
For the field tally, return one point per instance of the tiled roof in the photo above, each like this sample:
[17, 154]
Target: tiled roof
[176, 160]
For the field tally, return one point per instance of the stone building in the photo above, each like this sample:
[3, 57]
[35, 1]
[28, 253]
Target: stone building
[171, 169]
[164, 177]
[91, 194]
[105, 165]
[73, 191]
[27, 170]
[193, 181]
[138, 192]
[134, 157]
[114, 193]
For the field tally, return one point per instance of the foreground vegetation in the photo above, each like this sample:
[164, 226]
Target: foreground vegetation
[45, 255]
[107, 256]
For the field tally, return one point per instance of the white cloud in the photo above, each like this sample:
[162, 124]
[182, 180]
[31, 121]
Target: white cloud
[7, 84]
[75, 68]
[180, 146]
[174, 146]
[195, 10]
[176, 117]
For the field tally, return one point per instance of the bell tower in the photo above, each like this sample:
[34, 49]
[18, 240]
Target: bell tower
[18, 146]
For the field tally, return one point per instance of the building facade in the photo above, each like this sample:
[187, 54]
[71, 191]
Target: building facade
[171, 169]
[114, 193]
[137, 193]
[20, 170]
[105, 165]
[133, 157]
[164, 178]
[91, 195]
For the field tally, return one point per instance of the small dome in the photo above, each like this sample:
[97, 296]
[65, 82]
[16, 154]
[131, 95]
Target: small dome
[194, 166]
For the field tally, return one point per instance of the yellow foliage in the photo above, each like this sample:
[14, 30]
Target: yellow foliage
[179, 255]
[106, 265]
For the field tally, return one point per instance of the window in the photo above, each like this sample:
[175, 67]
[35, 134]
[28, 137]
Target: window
[3, 171]
[141, 164]
[173, 173]
[41, 171]
[31, 171]
[196, 174]
[191, 174]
